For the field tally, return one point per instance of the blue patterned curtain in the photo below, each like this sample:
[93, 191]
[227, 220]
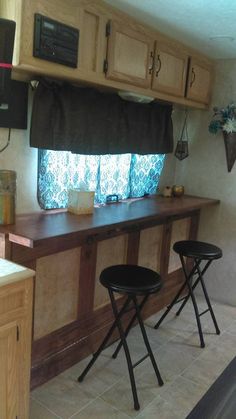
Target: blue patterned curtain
[127, 175]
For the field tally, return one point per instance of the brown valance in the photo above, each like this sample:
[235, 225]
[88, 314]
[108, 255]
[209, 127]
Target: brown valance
[87, 121]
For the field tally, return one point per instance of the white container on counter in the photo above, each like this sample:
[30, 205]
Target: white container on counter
[80, 202]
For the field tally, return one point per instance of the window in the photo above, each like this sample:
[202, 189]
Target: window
[127, 175]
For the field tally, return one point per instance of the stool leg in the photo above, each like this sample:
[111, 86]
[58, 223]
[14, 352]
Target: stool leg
[182, 305]
[187, 277]
[129, 327]
[170, 306]
[193, 298]
[146, 341]
[126, 349]
[197, 266]
[208, 302]
[197, 262]
[105, 340]
[197, 317]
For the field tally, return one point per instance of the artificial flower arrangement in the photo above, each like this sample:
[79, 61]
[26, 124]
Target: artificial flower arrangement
[224, 119]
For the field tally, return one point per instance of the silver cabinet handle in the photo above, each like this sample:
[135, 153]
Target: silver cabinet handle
[158, 65]
[151, 64]
[193, 77]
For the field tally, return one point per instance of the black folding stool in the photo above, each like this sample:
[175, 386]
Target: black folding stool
[132, 281]
[199, 252]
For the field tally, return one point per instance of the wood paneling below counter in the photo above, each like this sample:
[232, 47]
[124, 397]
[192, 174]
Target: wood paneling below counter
[71, 309]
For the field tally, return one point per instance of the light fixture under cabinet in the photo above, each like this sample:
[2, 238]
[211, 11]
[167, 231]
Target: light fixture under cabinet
[222, 38]
[134, 97]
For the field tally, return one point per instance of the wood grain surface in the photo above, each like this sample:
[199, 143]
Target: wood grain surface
[33, 230]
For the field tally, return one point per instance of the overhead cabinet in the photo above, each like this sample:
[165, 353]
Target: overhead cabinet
[139, 60]
[130, 55]
[199, 81]
[114, 51]
[92, 47]
[170, 70]
[81, 16]
[60, 12]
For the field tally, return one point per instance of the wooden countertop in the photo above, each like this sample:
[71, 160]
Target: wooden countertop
[11, 272]
[35, 229]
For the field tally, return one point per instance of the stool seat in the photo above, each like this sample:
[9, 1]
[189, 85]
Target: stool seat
[131, 279]
[197, 249]
[202, 254]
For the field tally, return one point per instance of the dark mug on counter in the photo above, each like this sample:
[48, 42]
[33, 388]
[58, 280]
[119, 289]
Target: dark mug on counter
[177, 190]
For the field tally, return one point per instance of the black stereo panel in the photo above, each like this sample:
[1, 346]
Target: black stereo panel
[54, 41]
[7, 34]
[14, 104]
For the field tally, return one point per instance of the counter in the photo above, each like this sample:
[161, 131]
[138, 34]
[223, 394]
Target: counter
[34, 229]
[11, 272]
[16, 289]
[71, 309]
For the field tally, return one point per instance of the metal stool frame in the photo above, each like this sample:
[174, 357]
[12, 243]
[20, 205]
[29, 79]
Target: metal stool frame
[191, 286]
[123, 335]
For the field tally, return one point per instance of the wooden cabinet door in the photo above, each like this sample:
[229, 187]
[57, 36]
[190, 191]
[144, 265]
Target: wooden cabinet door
[130, 55]
[170, 70]
[199, 81]
[8, 371]
[15, 348]
[92, 50]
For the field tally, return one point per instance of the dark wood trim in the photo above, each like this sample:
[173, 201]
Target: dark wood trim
[5, 247]
[165, 249]
[61, 360]
[60, 349]
[133, 247]
[55, 341]
[55, 229]
[22, 254]
[87, 279]
[195, 219]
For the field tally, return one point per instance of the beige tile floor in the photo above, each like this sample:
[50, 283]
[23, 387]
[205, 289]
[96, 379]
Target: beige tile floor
[187, 371]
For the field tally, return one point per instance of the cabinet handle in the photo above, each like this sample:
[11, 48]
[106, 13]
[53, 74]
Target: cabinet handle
[193, 77]
[158, 65]
[151, 64]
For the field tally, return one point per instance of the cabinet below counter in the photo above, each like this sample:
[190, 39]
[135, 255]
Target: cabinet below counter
[72, 311]
[16, 290]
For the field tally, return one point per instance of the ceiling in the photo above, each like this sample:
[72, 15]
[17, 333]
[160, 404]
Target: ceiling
[206, 25]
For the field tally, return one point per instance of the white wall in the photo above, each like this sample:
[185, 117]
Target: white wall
[168, 174]
[204, 173]
[23, 159]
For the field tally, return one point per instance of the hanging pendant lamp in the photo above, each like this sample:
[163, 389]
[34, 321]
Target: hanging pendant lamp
[181, 151]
